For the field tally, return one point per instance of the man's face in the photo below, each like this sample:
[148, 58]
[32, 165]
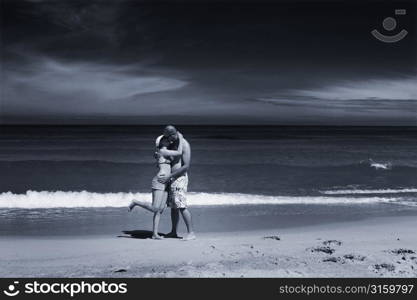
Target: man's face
[171, 135]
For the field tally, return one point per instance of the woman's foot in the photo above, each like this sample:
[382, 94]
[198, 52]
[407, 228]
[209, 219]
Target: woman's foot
[131, 206]
[157, 237]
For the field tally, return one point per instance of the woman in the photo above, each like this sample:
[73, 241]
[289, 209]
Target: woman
[159, 190]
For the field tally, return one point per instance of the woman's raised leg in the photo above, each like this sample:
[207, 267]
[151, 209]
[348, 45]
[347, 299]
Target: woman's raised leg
[144, 205]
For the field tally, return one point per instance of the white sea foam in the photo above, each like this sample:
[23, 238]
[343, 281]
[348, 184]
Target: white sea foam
[380, 191]
[47, 199]
[386, 166]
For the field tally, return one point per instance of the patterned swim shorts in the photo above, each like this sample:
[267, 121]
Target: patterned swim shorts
[177, 192]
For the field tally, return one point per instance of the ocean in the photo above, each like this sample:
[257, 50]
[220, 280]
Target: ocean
[50, 169]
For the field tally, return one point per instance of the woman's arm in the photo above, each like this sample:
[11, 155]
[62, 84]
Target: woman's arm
[165, 152]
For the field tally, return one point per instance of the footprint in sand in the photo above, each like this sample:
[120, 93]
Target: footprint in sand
[326, 249]
[272, 237]
[332, 243]
[334, 259]
[402, 251]
[354, 257]
[384, 267]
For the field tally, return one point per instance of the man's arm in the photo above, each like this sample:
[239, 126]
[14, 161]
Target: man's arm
[186, 159]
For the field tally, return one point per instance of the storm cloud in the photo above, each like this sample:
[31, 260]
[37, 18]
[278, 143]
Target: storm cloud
[139, 62]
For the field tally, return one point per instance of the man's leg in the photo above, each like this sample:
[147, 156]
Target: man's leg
[175, 219]
[175, 215]
[186, 215]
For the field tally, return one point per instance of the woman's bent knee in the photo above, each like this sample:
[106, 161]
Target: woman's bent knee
[157, 209]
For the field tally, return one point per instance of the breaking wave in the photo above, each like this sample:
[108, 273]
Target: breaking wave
[58, 199]
[380, 191]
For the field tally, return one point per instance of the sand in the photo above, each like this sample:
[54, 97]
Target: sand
[374, 247]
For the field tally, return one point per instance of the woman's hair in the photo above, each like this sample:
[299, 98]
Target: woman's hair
[163, 143]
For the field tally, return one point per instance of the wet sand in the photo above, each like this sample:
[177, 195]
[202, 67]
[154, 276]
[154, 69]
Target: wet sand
[371, 247]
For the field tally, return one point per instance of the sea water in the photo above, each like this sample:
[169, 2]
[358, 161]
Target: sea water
[107, 166]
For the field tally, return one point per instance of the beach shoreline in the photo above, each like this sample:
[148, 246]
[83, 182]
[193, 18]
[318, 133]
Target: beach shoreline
[371, 247]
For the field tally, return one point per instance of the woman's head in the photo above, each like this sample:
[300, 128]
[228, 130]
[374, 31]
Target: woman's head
[164, 142]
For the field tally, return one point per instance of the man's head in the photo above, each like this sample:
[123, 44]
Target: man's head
[171, 133]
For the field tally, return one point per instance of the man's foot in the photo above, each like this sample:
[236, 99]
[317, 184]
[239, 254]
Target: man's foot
[172, 235]
[157, 237]
[131, 205]
[189, 237]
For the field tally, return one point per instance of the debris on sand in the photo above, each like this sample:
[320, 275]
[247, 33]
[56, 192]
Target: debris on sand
[326, 250]
[403, 251]
[332, 243]
[384, 266]
[354, 257]
[272, 237]
[120, 271]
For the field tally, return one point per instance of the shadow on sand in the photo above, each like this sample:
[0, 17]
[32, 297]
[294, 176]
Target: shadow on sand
[140, 234]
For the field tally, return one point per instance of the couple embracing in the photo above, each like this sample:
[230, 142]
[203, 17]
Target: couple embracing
[169, 186]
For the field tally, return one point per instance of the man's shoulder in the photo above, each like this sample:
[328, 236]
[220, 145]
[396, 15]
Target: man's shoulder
[187, 144]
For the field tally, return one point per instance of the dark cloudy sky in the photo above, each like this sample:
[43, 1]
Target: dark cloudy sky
[196, 62]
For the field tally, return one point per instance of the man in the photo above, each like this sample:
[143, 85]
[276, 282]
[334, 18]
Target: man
[178, 180]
